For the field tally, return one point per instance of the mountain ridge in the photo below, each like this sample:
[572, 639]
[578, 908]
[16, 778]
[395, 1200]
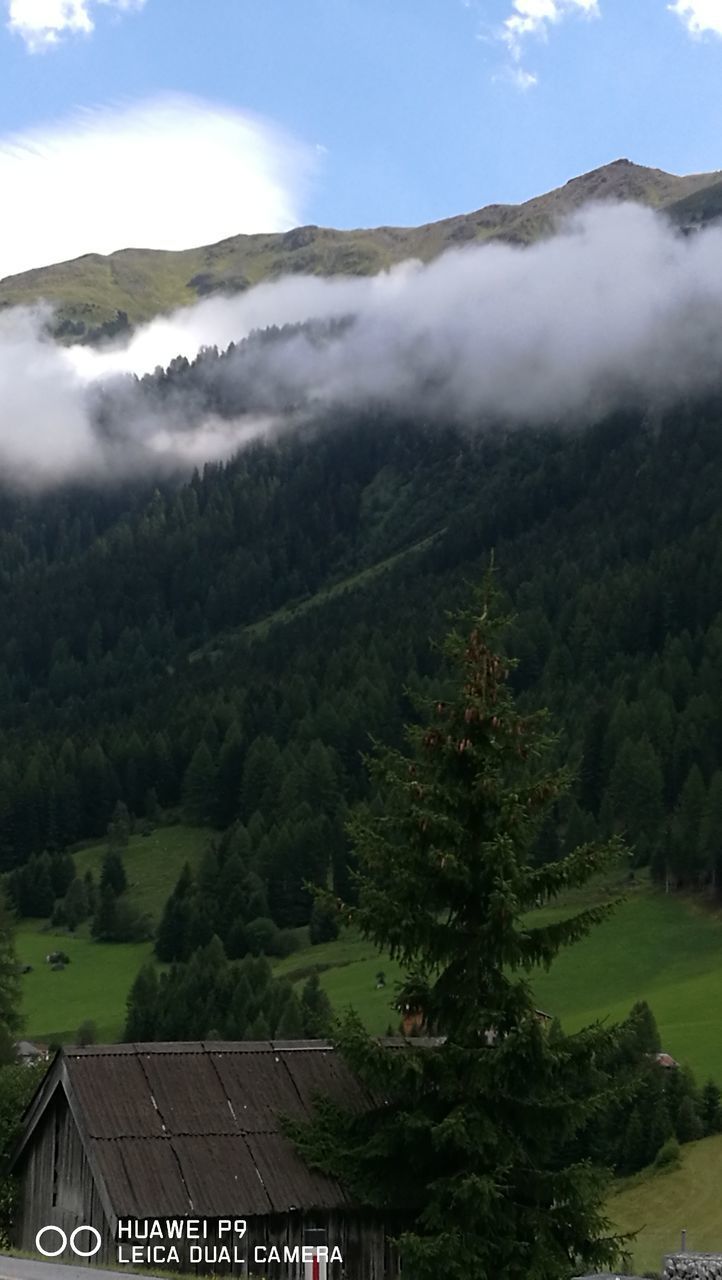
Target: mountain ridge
[97, 296]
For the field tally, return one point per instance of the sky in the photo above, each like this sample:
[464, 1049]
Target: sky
[170, 123]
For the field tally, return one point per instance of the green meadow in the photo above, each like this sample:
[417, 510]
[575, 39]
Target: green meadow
[348, 970]
[95, 984]
[152, 863]
[664, 949]
[658, 1206]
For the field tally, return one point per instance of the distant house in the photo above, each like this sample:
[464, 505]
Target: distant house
[665, 1060]
[413, 1023]
[27, 1052]
[157, 1131]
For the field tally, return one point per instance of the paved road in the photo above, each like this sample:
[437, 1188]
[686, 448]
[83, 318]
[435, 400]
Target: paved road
[27, 1269]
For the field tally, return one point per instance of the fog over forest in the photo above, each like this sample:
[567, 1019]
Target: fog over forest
[617, 309]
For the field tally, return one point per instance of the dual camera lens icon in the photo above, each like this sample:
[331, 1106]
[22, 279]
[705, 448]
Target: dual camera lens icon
[66, 1242]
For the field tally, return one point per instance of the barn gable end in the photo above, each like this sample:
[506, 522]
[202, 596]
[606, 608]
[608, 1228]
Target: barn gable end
[152, 1131]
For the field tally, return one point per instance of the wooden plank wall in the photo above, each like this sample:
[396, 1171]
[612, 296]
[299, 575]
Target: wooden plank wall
[58, 1188]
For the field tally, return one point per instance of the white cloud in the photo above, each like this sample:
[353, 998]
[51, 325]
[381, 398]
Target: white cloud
[168, 173]
[41, 23]
[617, 311]
[699, 16]
[522, 78]
[534, 18]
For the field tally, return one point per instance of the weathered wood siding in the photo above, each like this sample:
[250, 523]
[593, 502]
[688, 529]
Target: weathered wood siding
[58, 1187]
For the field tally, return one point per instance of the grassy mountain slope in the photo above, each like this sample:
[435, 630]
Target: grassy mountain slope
[660, 1205]
[152, 863]
[666, 949]
[92, 290]
[699, 207]
[95, 984]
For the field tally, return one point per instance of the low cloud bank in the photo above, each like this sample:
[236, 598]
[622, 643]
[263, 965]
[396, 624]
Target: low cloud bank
[617, 309]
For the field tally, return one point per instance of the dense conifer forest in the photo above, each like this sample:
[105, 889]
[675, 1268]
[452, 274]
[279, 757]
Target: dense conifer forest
[226, 644]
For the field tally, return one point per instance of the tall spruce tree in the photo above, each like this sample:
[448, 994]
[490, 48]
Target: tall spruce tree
[113, 872]
[484, 1120]
[142, 1005]
[11, 1020]
[105, 921]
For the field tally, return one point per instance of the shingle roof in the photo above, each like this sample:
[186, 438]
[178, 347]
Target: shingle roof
[666, 1060]
[174, 1129]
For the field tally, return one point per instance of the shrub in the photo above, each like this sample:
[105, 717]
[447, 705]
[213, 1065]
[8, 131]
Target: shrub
[668, 1155]
[262, 936]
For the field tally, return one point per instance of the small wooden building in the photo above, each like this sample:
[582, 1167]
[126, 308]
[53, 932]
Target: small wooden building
[28, 1052]
[158, 1132]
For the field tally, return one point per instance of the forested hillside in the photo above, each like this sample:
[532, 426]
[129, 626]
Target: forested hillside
[228, 643]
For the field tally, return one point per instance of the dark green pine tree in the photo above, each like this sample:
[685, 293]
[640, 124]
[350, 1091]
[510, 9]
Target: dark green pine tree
[645, 1031]
[172, 937]
[591, 773]
[105, 920]
[142, 1007]
[41, 887]
[711, 1107]
[199, 787]
[636, 786]
[323, 926]
[113, 872]
[316, 1009]
[711, 831]
[688, 1125]
[634, 1153]
[230, 767]
[10, 1018]
[62, 873]
[76, 906]
[91, 890]
[290, 1023]
[687, 826]
[483, 1123]
[119, 827]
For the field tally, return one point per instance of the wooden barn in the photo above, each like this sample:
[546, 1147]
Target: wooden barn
[154, 1133]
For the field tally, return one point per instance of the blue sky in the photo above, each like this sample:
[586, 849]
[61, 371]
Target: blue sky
[339, 112]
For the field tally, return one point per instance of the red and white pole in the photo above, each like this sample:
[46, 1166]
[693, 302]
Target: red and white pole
[317, 1268]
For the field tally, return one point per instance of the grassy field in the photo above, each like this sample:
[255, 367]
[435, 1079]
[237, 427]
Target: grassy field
[347, 970]
[94, 985]
[96, 982]
[658, 1206]
[666, 950]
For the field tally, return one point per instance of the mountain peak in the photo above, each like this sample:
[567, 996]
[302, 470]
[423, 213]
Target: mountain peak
[94, 294]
